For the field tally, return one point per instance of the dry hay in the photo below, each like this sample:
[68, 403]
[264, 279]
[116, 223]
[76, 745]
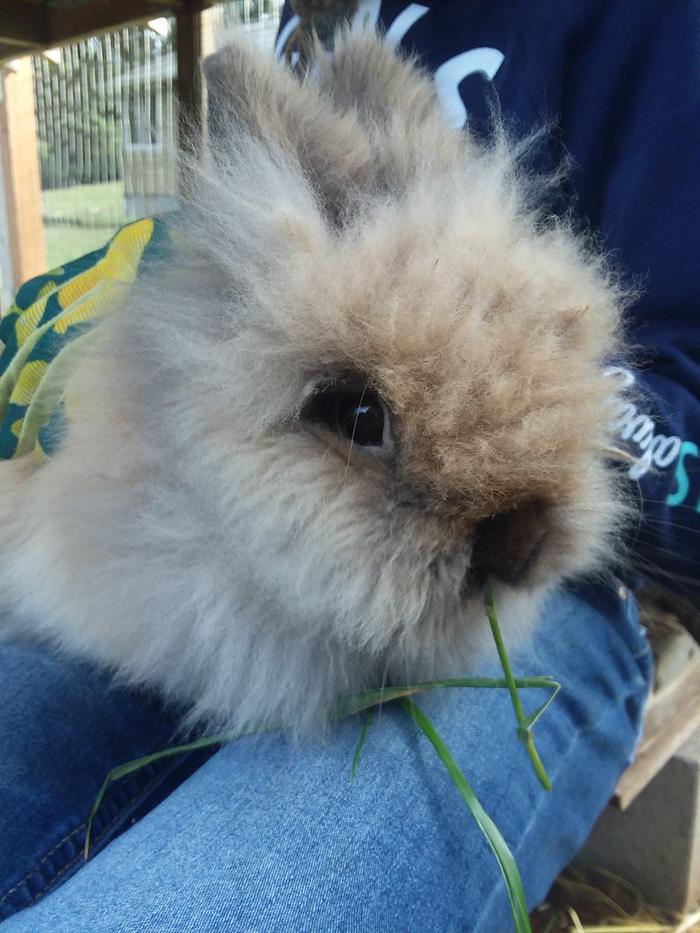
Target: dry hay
[596, 901]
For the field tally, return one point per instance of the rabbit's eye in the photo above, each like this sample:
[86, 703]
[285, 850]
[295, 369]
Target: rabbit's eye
[356, 412]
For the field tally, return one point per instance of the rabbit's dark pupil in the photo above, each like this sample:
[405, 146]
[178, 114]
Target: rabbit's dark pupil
[356, 413]
[360, 418]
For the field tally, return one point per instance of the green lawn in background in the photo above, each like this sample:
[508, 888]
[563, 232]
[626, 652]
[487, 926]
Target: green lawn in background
[92, 214]
[99, 203]
[64, 242]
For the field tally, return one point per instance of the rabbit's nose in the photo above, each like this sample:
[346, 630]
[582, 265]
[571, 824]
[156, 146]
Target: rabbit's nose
[508, 544]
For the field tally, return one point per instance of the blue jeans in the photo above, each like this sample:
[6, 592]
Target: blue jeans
[268, 836]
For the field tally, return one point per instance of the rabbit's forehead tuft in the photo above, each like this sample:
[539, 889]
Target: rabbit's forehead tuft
[425, 290]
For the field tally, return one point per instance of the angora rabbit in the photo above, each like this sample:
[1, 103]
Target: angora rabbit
[371, 378]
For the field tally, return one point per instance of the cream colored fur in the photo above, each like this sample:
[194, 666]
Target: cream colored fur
[194, 534]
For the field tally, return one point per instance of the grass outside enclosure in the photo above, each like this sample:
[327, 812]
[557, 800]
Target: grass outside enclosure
[100, 208]
[102, 202]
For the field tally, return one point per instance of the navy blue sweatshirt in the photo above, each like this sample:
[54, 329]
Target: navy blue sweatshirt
[619, 80]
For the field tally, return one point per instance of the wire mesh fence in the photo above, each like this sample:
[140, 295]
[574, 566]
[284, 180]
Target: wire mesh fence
[107, 124]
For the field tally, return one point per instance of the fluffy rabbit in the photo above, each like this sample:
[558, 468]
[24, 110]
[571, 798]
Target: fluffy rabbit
[372, 377]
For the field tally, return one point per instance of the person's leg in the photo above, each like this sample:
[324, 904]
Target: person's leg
[271, 837]
[62, 728]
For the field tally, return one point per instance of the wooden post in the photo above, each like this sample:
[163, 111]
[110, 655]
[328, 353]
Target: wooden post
[189, 89]
[19, 151]
[209, 20]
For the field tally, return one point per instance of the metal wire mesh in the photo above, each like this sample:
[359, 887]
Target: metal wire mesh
[107, 124]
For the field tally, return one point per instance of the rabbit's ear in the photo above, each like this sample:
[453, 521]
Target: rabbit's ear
[363, 72]
[252, 96]
[395, 101]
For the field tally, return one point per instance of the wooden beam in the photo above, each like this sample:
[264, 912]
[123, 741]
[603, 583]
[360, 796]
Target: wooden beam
[91, 19]
[670, 719]
[22, 24]
[9, 52]
[26, 27]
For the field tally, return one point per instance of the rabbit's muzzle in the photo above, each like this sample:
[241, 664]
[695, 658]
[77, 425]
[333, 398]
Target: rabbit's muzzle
[508, 545]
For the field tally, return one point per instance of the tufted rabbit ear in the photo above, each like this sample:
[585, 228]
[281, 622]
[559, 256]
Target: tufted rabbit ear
[396, 103]
[252, 96]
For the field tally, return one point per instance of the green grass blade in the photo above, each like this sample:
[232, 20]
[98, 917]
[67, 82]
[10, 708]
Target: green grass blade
[523, 730]
[497, 843]
[369, 698]
[502, 654]
[359, 746]
[535, 715]
[361, 701]
[129, 767]
[372, 698]
[491, 683]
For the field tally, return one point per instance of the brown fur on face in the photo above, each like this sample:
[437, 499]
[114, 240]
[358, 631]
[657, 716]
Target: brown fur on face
[200, 532]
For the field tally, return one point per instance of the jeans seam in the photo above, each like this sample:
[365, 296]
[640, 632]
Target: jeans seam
[117, 816]
[80, 855]
[41, 861]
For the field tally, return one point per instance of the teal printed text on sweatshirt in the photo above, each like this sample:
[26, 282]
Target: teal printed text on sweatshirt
[682, 490]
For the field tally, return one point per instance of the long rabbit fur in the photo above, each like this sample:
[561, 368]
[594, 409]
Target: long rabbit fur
[197, 534]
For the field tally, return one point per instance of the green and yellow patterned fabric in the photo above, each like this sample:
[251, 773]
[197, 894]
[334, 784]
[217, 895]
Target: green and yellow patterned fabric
[42, 329]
